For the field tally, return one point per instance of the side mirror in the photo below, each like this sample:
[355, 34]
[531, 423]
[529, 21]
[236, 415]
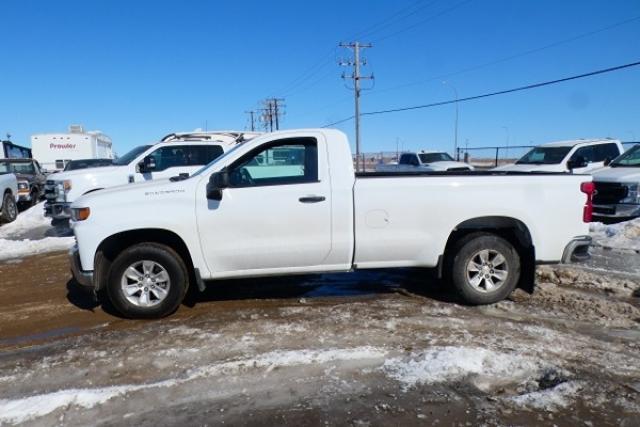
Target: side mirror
[607, 161]
[148, 164]
[576, 163]
[217, 182]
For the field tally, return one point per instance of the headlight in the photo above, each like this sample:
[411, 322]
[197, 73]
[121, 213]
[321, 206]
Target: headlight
[633, 195]
[80, 214]
[23, 185]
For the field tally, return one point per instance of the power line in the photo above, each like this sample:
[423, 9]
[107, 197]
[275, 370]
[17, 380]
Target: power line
[511, 57]
[424, 21]
[487, 95]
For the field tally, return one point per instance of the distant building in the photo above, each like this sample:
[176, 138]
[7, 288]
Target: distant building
[55, 150]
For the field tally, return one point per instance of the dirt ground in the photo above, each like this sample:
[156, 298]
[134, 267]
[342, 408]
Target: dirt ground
[365, 349]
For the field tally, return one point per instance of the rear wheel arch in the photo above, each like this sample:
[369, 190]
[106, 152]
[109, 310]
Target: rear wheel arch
[511, 229]
[113, 245]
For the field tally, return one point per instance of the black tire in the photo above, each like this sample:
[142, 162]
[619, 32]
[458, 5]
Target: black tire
[9, 209]
[164, 256]
[469, 249]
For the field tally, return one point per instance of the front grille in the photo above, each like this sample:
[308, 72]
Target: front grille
[50, 190]
[609, 192]
[458, 169]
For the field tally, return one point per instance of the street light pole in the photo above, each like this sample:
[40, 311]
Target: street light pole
[455, 130]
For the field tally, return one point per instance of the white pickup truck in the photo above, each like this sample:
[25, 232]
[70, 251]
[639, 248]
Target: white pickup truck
[9, 194]
[425, 161]
[617, 196]
[577, 156]
[289, 203]
[175, 154]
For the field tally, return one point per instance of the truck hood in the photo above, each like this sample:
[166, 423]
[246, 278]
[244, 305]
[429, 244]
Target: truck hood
[619, 174]
[530, 168]
[138, 192]
[86, 173]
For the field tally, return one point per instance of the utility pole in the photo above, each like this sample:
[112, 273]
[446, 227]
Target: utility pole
[271, 112]
[252, 119]
[356, 77]
[455, 131]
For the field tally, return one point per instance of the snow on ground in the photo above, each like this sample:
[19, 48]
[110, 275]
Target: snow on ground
[441, 364]
[35, 406]
[12, 246]
[624, 235]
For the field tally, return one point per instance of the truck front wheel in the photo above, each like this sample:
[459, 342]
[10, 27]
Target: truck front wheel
[485, 268]
[9, 209]
[147, 281]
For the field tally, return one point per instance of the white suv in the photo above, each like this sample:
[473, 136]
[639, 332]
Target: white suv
[579, 156]
[175, 155]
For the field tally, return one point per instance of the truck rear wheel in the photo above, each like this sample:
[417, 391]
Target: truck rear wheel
[147, 281]
[485, 268]
[9, 209]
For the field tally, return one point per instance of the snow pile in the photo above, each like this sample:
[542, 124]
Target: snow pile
[624, 235]
[551, 399]
[28, 220]
[440, 364]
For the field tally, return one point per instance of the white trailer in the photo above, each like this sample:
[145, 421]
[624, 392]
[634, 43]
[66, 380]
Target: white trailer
[55, 150]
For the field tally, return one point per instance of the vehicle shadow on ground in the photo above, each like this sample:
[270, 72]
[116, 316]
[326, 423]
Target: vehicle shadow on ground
[418, 282]
[364, 282]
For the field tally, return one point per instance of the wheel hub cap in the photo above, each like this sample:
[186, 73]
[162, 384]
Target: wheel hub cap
[145, 283]
[487, 270]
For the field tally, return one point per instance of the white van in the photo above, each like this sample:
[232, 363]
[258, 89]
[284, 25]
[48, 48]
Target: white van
[54, 150]
[579, 156]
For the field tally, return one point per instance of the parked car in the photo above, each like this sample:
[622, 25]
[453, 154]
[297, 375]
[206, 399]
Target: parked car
[617, 196]
[289, 203]
[579, 156]
[425, 161]
[87, 163]
[31, 179]
[9, 192]
[176, 154]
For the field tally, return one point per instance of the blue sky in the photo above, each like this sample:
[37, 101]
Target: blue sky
[139, 70]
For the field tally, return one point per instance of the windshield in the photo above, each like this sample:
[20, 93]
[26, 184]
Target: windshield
[544, 156]
[629, 159]
[435, 157]
[205, 167]
[131, 155]
[17, 167]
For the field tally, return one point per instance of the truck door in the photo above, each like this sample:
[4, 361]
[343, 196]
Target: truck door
[172, 160]
[275, 215]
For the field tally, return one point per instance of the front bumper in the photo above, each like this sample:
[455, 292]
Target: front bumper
[577, 250]
[619, 210]
[85, 278]
[24, 197]
[57, 210]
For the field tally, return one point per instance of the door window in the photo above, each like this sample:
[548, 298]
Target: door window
[586, 152]
[282, 162]
[605, 151]
[185, 155]
[409, 159]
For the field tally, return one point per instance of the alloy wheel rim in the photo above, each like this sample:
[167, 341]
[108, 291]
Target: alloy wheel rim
[145, 283]
[487, 270]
